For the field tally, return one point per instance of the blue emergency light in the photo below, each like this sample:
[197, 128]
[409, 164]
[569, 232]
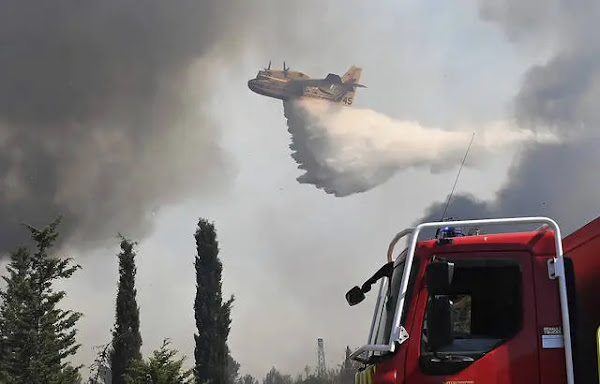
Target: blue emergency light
[448, 231]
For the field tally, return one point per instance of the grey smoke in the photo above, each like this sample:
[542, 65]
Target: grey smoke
[557, 180]
[98, 120]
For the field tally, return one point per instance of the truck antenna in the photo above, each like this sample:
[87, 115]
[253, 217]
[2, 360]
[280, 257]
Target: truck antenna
[457, 176]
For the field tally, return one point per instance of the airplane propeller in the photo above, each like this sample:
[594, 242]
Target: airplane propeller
[285, 70]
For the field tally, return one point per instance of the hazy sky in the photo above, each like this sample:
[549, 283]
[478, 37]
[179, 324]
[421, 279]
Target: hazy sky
[290, 251]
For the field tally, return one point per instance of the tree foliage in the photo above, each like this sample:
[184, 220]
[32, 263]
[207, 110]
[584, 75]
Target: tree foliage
[36, 337]
[232, 369]
[348, 369]
[344, 374]
[127, 340]
[100, 372]
[161, 368]
[247, 379]
[211, 313]
[275, 377]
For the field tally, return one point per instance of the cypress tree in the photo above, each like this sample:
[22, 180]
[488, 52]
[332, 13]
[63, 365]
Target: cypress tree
[127, 341]
[211, 313]
[35, 335]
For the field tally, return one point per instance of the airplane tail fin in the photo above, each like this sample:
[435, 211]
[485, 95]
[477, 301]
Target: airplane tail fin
[352, 76]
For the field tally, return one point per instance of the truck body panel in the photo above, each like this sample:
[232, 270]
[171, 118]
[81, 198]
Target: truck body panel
[509, 310]
[583, 248]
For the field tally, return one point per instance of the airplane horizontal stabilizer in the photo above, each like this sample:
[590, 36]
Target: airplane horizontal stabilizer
[353, 85]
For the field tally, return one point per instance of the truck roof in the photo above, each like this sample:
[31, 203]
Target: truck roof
[540, 242]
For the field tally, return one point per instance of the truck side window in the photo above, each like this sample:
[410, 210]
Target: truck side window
[485, 301]
[461, 313]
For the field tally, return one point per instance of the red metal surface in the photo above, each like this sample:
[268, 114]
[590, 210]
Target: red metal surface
[510, 362]
[583, 247]
[518, 359]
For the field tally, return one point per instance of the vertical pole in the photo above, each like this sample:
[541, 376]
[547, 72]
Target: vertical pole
[321, 358]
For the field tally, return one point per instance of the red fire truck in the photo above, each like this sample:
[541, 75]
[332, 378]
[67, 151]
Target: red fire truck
[464, 307]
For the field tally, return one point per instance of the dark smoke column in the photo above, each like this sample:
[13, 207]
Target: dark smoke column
[96, 119]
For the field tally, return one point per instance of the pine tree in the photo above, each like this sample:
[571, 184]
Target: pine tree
[212, 315]
[161, 368]
[127, 341]
[35, 335]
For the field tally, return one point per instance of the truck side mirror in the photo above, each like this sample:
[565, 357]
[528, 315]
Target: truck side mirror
[439, 277]
[439, 322]
[355, 296]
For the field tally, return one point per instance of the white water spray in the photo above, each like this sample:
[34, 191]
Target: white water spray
[346, 150]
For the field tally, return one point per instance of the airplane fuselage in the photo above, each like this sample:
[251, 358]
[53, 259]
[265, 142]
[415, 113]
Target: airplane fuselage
[287, 85]
[278, 89]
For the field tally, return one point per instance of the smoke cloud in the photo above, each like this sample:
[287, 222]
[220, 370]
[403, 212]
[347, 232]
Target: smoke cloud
[557, 180]
[348, 150]
[98, 120]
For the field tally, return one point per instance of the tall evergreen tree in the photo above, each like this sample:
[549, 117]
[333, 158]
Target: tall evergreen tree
[127, 341]
[35, 335]
[212, 314]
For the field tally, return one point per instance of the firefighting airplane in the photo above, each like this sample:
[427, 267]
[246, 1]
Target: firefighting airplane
[285, 85]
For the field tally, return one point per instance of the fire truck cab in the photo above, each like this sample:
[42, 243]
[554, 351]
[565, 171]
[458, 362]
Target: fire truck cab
[506, 307]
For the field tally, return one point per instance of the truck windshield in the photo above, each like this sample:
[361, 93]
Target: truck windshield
[388, 310]
[487, 310]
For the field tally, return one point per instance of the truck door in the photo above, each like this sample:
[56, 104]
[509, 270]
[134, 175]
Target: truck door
[492, 321]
